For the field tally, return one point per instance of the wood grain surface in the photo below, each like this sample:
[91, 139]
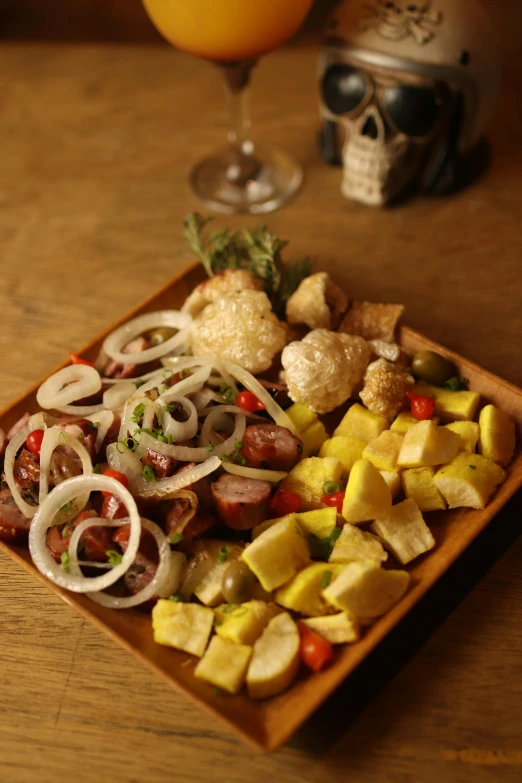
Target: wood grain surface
[96, 142]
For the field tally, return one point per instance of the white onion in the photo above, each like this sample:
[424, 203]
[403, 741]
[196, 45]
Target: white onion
[42, 520]
[178, 363]
[80, 410]
[36, 422]
[52, 438]
[126, 462]
[68, 385]
[155, 380]
[116, 396]
[188, 454]
[181, 430]
[115, 381]
[165, 581]
[105, 420]
[202, 398]
[253, 385]
[217, 418]
[128, 426]
[187, 385]
[114, 343]
[255, 473]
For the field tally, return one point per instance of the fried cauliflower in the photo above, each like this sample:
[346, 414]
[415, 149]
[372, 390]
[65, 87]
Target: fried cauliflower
[239, 328]
[325, 368]
[231, 281]
[318, 302]
[385, 386]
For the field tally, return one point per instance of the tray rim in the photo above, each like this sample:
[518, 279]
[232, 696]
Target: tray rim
[270, 735]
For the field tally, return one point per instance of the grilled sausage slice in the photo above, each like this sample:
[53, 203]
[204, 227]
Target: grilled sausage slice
[271, 446]
[14, 527]
[241, 503]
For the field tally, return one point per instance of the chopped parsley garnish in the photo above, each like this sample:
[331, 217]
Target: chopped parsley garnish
[138, 412]
[186, 373]
[238, 444]
[473, 467]
[67, 531]
[227, 394]
[114, 557]
[96, 425]
[325, 581]
[138, 382]
[211, 447]
[65, 560]
[217, 623]
[67, 507]
[97, 468]
[62, 438]
[321, 548]
[223, 555]
[217, 692]
[80, 436]
[175, 538]
[330, 487]
[178, 597]
[148, 473]
[228, 608]
[456, 384]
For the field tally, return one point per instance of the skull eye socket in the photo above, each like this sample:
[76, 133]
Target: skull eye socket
[413, 110]
[344, 89]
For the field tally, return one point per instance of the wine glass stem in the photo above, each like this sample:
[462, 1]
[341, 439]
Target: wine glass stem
[237, 88]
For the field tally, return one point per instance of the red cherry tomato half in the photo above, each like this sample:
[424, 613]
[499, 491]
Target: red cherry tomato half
[115, 474]
[285, 502]
[78, 360]
[316, 652]
[249, 402]
[335, 501]
[34, 441]
[422, 408]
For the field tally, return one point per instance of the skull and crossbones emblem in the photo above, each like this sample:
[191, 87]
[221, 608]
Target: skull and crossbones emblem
[398, 20]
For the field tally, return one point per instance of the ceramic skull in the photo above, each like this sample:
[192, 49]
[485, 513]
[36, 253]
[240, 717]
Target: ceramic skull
[405, 88]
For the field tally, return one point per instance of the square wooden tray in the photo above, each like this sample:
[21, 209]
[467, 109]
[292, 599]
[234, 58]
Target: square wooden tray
[268, 725]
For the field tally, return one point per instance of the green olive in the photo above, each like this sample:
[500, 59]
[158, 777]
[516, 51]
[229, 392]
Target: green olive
[432, 367]
[161, 335]
[238, 583]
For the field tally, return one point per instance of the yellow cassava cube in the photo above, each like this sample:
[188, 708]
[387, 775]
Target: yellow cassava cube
[313, 438]
[224, 664]
[468, 431]
[278, 553]
[384, 450]
[244, 623]
[308, 477]
[393, 480]
[361, 423]
[301, 416]
[366, 590]
[428, 444]
[405, 420]
[367, 494]
[186, 627]
[404, 532]
[320, 522]
[346, 448]
[497, 435]
[303, 593]
[356, 544]
[275, 661]
[451, 405]
[418, 485]
[469, 480]
[341, 628]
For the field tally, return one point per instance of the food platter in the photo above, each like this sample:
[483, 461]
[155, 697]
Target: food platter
[267, 725]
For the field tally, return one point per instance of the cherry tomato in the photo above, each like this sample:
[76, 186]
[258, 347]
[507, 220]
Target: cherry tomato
[115, 474]
[421, 407]
[335, 501]
[285, 502]
[316, 652]
[34, 441]
[249, 402]
[78, 360]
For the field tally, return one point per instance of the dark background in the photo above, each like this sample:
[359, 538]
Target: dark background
[126, 21]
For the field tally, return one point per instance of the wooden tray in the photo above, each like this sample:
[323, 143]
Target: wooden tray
[268, 725]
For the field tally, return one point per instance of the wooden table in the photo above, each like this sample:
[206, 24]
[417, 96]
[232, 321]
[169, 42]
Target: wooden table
[96, 143]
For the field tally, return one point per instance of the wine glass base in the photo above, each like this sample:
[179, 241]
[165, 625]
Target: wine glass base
[233, 182]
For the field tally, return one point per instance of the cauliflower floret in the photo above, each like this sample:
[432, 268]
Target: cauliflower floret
[385, 385]
[231, 281]
[239, 328]
[324, 368]
[317, 302]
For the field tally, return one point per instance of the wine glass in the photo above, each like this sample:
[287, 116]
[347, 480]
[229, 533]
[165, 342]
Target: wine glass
[243, 177]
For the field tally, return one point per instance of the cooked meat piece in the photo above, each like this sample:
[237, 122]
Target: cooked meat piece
[113, 508]
[163, 466]
[201, 488]
[241, 503]
[82, 429]
[271, 446]
[146, 562]
[94, 542]
[14, 527]
[64, 464]
[3, 442]
[116, 370]
[279, 392]
[27, 469]
[176, 521]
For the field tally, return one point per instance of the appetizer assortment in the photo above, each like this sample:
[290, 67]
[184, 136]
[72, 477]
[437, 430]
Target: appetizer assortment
[256, 469]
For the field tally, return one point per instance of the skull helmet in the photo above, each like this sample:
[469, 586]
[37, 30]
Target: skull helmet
[405, 89]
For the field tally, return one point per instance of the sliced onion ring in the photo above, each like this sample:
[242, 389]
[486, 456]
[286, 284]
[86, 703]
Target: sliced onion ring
[116, 396]
[36, 422]
[127, 426]
[166, 580]
[255, 473]
[80, 410]
[118, 339]
[253, 385]
[52, 438]
[105, 420]
[42, 520]
[68, 385]
[181, 430]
